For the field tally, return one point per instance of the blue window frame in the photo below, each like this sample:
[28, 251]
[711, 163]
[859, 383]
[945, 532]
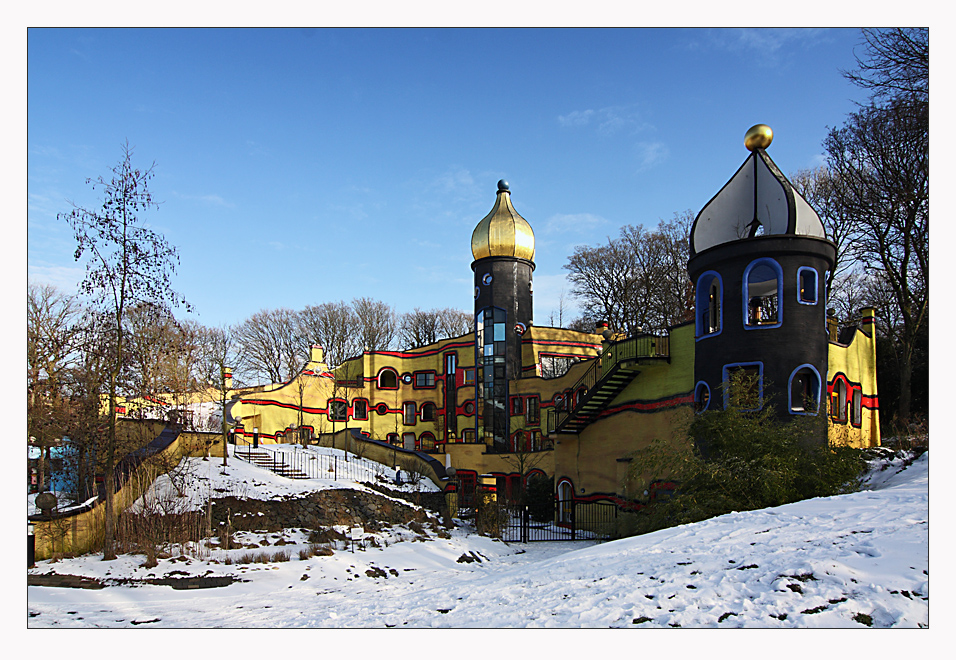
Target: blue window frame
[709, 304]
[763, 287]
[750, 398]
[808, 286]
[701, 397]
[803, 390]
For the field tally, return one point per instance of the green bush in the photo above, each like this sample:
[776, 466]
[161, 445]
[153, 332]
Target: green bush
[739, 460]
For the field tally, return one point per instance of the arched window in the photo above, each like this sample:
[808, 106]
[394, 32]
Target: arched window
[428, 412]
[518, 441]
[804, 390]
[856, 408]
[763, 283]
[838, 402]
[701, 397]
[807, 290]
[388, 379]
[565, 501]
[710, 293]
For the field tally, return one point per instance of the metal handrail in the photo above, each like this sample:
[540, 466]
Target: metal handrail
[614, 353]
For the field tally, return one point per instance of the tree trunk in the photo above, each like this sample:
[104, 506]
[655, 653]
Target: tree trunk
[906, 375]
[109, 531]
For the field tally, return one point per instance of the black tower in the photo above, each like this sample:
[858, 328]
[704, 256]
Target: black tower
[759, 259]
[503, 247]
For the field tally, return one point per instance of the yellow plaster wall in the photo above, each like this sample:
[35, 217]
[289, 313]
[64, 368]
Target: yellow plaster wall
[83, 532]
[592, 459]
[857, 361]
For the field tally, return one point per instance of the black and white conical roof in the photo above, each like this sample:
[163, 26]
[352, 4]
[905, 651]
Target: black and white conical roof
[757, 201]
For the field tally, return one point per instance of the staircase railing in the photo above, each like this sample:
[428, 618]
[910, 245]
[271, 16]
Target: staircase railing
[613, 355]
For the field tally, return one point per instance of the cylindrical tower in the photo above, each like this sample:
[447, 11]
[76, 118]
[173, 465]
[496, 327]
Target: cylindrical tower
[503, 247]
[759, 260]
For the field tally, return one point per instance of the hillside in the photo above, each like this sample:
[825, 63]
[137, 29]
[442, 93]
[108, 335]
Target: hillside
[851, 561]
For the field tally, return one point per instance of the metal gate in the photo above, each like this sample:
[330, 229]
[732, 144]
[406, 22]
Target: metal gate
[571, 520]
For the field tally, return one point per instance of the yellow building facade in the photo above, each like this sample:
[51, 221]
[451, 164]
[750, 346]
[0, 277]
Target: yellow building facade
[512, 398]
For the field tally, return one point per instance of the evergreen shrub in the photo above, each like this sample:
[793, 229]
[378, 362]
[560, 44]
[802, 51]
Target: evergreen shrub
[741, 459]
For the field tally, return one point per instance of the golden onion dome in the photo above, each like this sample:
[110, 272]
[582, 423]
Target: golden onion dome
[503, 233]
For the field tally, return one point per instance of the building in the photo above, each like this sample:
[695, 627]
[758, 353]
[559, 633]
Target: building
[512, 398]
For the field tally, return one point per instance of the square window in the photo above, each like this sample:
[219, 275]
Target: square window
[424, 379]
[360, 409]
[517, 405]
[338, 411]
[744, 386]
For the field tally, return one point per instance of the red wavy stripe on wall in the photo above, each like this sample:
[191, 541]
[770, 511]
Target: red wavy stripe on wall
[650, 406]
[434, 351]
[290, 406]
[542, 342]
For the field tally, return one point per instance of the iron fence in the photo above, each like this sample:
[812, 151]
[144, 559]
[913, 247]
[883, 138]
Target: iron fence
[571, 520]
[309, 464]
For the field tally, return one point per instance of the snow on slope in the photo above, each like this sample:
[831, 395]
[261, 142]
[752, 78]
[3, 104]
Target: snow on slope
[850, 561]
[239, 478]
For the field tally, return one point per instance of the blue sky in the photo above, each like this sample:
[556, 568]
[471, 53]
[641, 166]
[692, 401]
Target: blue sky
[302, 166]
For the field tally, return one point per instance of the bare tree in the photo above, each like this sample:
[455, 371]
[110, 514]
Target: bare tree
[127, 263]
[821, 188]
[217, 357]
[454, 322]
[556, 317]
[334, 327]
[52, 341]
[895, 63]
[421, 327]
[881, 157]
[271, 345]
[377, 324]
[638, 281]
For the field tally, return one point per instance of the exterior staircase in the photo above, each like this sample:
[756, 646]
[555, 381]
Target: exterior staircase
[270, 461]
[618, 365]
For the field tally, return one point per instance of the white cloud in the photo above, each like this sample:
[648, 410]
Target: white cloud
[610, 119]
[650, 154]
[64, 278]
[576, 118]
[766, 43]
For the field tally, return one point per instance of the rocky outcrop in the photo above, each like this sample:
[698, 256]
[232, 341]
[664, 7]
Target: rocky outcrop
[317, 510]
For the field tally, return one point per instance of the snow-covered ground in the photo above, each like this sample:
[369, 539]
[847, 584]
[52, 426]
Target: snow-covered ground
[853, 561]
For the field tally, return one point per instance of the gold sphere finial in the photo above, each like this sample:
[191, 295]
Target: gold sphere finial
[758, 137]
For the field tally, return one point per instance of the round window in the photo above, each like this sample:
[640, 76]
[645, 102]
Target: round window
[381, 409]
[406, 378]
[469, 408]
[486, 280]
[520, 328]
[477, 293]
